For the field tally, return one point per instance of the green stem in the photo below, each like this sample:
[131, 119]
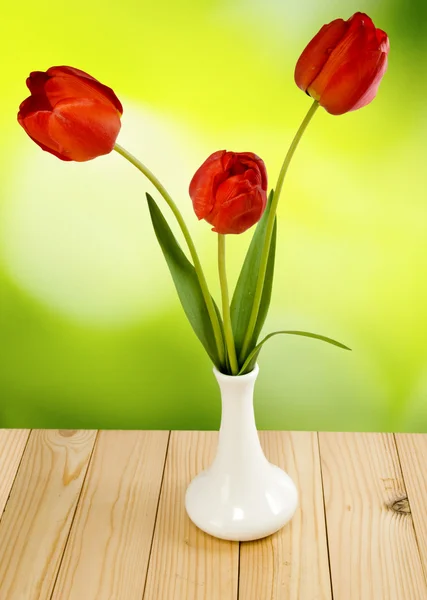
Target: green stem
[269, 231]
[197, 265]
[228, 331]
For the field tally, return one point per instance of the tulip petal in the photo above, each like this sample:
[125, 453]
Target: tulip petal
[84, 129]
[241, 213]
[63, 84]
[36, 125]
[235, 186]
[33, 104]
[344, 54]
[237, 163]
[36, 82]
[256, 164]
[372, 89]
[231, 164]
[64, 70]
[317, 52]
[354, 84]
[205, 182]
[383, 41]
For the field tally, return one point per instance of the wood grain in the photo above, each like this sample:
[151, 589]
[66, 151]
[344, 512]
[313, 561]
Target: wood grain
[293, 563]
[78, 519]
[12, 446]
[40, 510]
[186, 563]
[372, 545]
[109, 546]
[412, 450]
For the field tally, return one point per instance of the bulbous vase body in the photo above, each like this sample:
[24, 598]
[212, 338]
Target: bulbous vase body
[241, 496]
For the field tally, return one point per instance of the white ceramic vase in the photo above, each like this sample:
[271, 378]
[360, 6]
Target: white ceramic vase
[241, 496]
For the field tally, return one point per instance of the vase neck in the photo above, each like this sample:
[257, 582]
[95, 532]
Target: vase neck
[238, 435]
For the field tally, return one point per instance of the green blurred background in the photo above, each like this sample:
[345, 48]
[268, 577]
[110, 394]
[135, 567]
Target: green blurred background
[92, 334]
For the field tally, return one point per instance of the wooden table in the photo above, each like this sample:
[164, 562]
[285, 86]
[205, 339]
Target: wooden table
[89, 515]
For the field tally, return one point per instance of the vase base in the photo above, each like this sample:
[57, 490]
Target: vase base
[244, 508]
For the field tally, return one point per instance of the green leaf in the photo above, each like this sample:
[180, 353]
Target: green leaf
[267, 289]
[186, 282]
[241, 305]
[252, 358]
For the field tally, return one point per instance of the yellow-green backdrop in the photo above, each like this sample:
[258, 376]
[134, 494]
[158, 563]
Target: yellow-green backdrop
[91, 331]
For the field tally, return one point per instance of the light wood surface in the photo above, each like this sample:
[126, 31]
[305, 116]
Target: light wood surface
[38, 516]
[186, 563]
[372, 545]
[12, 445]
[292, 564]
[413, 459]
[109, 546]
[90, 515]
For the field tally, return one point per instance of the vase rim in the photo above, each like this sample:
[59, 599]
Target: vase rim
[246, 377]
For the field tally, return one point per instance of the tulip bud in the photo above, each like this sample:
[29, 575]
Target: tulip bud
[229, 191]
[70, 114]
[343, 64]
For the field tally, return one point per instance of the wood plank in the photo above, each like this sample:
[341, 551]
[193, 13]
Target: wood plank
[40, 510]
[12, 446]
[412, 450]
[185, 563]
[372, 545]
[109, 546]
[293, 563]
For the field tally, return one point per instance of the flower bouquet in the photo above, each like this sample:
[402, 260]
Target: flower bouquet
[73, 116]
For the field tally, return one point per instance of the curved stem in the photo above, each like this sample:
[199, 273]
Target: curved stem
[269, 231]
[197, 265]
[228, 330]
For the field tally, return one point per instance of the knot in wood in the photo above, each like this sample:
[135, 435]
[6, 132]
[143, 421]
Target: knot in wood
[401, 506]
[67, 432]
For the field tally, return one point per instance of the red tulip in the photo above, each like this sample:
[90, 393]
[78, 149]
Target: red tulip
[343, 64]
[70, 114]
[229, 191]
